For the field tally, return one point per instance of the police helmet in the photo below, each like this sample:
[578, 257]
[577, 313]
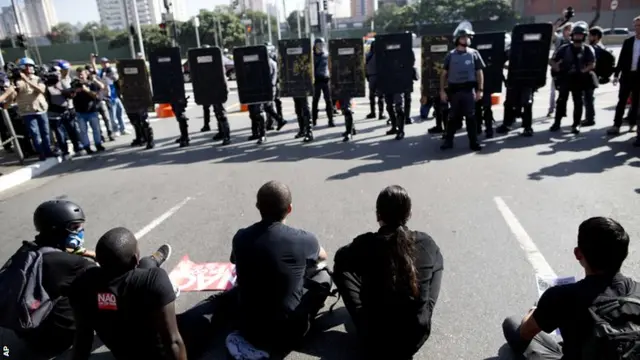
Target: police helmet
[464, 29]
[25, 61]
[580, 28]
[318, 40]
[57, 215]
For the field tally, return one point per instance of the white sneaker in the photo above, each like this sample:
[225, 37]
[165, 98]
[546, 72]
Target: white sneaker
[125, 132]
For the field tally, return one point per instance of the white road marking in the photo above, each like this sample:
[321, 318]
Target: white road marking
[160, 219]
[540, 265]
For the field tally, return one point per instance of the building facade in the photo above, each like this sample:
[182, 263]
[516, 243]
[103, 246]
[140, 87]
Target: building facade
[42, 16]
[113, 13]
[8, 21]
[366, 8]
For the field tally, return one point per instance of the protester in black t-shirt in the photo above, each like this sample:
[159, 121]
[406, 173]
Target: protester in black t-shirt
[390, 281]
[57, 222]
[603, 245]
[127, 301]
[278, 293]
[86, 103]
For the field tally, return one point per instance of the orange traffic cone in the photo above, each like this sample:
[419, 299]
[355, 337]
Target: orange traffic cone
[495, 99]
[244, 107]
[164, 111]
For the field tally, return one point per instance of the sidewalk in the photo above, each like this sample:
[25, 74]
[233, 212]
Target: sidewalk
[13, 174]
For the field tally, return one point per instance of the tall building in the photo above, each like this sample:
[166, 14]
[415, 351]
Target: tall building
[255, 5]
[365, 8]
[8, 21]
[42, 16]
[113, 15]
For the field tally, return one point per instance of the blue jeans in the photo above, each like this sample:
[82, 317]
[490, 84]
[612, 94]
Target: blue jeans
[38, 127]
[84, 121]
[117, 109]
[56, 124]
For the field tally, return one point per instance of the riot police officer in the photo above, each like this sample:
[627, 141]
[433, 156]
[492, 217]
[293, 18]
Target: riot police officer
[463, 77]
[573, 63]
[371, 70]
[277, 102]
[407, 100]
[303, 115]
[350, 128]
[255, 110]
[518, 102]
[321, 83]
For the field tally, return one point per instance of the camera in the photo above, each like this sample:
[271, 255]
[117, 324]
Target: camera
[569, 13]
[13, 71]
[77, 84]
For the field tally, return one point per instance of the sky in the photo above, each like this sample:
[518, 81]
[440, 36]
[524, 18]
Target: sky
[74, 11]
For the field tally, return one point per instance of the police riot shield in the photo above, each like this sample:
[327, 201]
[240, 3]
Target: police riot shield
[208, 76]
[394, 62]
[491, 47]
[134, 85]
[434, 50]
[346, 64]
[167, 79]
[529, 54]
[253, 74]
[295, 67]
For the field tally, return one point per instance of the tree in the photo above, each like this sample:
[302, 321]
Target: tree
[101, 32]
[292, 21]
[231, 28]
[63, 33]
[259, 23]
[152, 37]
[487, 9]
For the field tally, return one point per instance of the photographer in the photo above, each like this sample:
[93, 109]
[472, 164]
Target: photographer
[58, 97]
[32, 107]
[109, 76]
[69, 119]
[103, 105]
[86, 102]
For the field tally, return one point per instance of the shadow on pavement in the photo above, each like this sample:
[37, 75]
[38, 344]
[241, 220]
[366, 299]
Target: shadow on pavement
[505, 353]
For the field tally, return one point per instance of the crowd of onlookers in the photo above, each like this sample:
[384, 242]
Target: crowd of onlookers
[48, 107]
[389, 281]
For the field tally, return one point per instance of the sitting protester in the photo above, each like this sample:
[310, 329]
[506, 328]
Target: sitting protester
[127, 301]
[604, 294]
[390, 281]
[278, 294]
[48, 328]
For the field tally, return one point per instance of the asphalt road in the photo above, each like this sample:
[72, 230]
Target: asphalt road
[481, 208]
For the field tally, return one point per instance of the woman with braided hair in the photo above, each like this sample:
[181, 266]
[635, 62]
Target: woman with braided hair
[390, 281]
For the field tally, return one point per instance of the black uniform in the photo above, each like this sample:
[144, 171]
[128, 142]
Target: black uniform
[407, 100]
[304, 118]
[571, 78]
[179, 108]
[141, 127]
[224, 131]
[321, 82]
[278, 105]
[258, 123]
[484, 115]
[441, 114]
[395, 109]
[350, 128]
[371, 72]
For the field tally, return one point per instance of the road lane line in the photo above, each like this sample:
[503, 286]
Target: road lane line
[540, 265]
[160, 219]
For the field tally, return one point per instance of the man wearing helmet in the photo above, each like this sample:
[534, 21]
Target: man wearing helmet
[559, 41]
[371, 72]
[463, 77]
[58, 223]
[276, 101]
[32, 107]
[574, 64]
[321, 82]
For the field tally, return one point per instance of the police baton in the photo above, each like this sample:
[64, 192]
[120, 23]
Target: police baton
[13, 138]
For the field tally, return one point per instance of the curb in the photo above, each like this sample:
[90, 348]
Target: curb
[26, 173]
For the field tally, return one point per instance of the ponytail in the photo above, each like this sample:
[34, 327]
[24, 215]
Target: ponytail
[401, 269]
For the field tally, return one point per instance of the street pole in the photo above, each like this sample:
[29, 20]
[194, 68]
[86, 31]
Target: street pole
[136, 18]
[132, 45]
[196, 25]
[323, 25]
[275, 4]
[307, 23]
[299, 26]
[18, 26]
[220, 34]
[1, 60]
[269, 28]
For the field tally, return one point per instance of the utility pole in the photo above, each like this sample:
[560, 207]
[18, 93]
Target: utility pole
[136, 18]
[219, 35]
[196, 25]
[132, 45]
[299, 25]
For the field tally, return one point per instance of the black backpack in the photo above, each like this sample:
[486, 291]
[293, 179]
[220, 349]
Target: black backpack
[605, 64]
[616, 328]
[23, 300]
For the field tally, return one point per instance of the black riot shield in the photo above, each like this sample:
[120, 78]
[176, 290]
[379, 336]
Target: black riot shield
[208, 76]
[394, 62]
[295, 67]
[529, 55]
[166, 75]
[434, 50]
[346, 64]
[253, 74]
[134, 85]
[491, 48]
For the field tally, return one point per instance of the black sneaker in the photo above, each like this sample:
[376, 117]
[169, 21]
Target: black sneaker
[446, 145]
[218, 136]
[281, 125]
[89, 151]
[371, 116]
[393, 131]
[100, 148]
[205, 128]
[554, 127]
[162, 254]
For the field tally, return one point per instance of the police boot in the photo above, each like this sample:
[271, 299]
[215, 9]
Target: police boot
[330, 116]
[401, 122]
[184, 134]
[206, 127]
[226, 131]
[138, 136]
[301, 128]
[270, 123]
[308, 136]
[220, 134]
[149, 137]
[348, 121]
[372, 104]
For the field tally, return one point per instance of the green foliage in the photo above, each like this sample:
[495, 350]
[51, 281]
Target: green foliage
[292, 21]
[101, 32]
[230, 26]
[63, 33]
[391, 17]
